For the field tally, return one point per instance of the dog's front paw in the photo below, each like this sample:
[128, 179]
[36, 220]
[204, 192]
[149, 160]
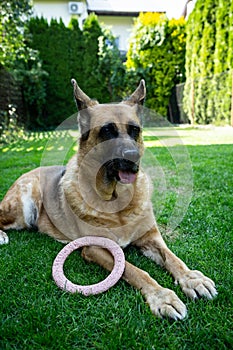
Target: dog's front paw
[196, 285]
[165, 303]
[3, 238]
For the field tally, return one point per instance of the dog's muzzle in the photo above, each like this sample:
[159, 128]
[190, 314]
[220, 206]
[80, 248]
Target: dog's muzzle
[124, 165]
[131, 154]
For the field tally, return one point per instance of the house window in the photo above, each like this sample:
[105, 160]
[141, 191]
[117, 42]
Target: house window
[117, 41]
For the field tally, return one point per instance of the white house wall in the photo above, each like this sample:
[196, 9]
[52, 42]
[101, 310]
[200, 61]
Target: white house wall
[58, 9]
[120, 27]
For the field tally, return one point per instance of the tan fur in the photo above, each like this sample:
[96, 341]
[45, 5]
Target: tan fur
[76, 202]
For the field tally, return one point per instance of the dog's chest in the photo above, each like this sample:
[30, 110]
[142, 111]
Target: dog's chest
[124, 226]
[124, 219]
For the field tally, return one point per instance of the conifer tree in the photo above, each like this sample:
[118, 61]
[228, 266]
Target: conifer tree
[90, 56]
[209, 61]
[222, 75]
[230, 37]
[59, 87]
[194, 35]
[91, 33]
[76, 51]
[204, 106]
[61, 52]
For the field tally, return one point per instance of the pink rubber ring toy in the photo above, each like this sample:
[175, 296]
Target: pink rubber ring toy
[117, 271]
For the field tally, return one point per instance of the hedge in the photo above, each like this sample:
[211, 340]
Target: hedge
[209, 62]
[57, 46]
[89, 55]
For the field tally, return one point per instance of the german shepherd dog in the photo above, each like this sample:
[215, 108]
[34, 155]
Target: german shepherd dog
[104, 192]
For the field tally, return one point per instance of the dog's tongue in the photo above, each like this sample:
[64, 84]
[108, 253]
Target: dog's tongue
[126, 177]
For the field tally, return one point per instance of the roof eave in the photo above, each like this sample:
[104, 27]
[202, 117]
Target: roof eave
[117, 13]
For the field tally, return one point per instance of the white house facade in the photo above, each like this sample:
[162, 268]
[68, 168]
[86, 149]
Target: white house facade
[118, 15]
[60, 9]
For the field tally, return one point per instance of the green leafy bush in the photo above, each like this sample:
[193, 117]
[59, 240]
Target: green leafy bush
[12, 24]
[10, 128]
[157, 52]
[20, 61]
[110, 66]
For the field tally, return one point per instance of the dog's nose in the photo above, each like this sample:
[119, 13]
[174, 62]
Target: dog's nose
[131, 154]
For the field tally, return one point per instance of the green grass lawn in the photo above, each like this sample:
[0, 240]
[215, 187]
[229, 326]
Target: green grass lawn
[192, 175]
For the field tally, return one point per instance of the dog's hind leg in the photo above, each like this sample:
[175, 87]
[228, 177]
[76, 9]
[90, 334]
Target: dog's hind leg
[21, 205]
[11, 216]
[162, 301]
[3, 238]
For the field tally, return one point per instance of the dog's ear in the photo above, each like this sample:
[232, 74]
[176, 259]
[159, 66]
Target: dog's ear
[138, 96]
[82, 100]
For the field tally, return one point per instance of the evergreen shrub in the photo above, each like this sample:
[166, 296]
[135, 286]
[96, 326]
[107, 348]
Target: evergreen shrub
[209, 62]
[89, 55]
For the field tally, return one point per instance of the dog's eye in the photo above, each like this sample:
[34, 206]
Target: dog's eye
[108, 131]
[133, 131]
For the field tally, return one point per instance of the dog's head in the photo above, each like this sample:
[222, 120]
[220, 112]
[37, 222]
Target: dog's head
[112, 135]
